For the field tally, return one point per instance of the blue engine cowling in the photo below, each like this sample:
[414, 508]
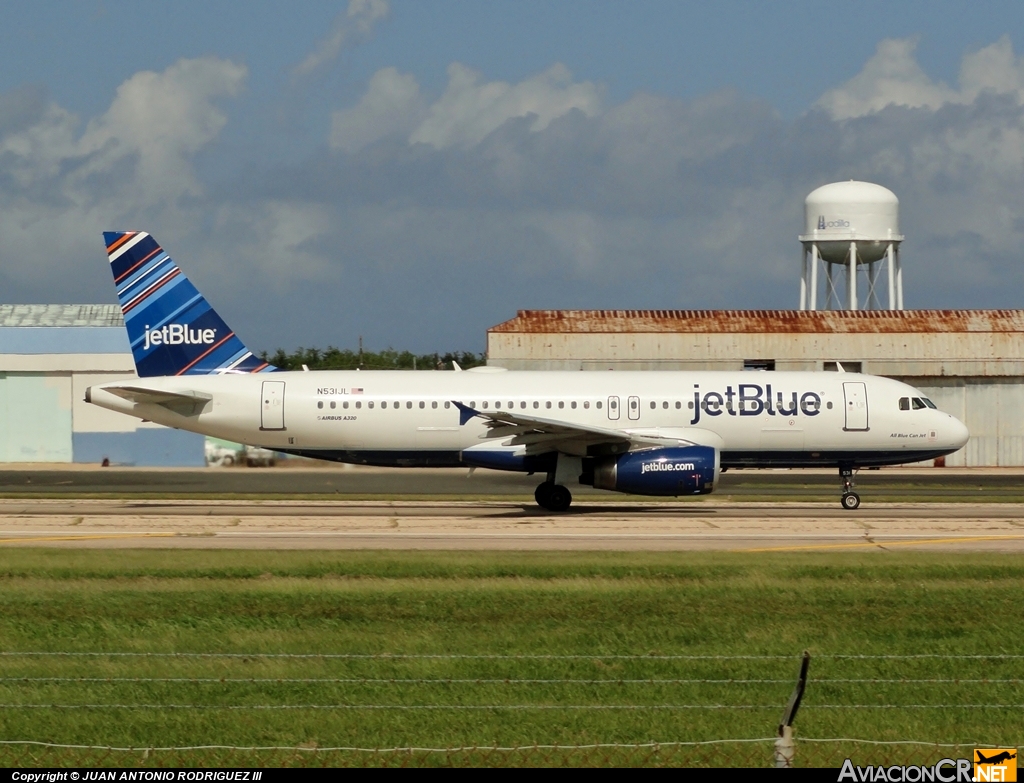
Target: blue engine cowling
[679, 470]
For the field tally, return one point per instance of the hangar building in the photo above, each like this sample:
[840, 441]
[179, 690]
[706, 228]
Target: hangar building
[49, 355]
[969, 362]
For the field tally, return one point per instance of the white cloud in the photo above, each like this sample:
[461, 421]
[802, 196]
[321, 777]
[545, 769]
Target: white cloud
[470, 109]
[130, 165]
[358, 21]
[391, 105]
[893, 77]
[164, 119]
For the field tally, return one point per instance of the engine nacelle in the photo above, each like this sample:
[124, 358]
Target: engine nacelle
[677, 470]
[501, 456]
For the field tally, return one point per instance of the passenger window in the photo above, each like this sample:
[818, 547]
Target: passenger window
[547, 404]
[447, 404]
[522, 404]
[536, 404]
[928, 402]
[359, 405]
[511, 405]
[665, 404]
[409, 404]
[369, 404]
[485, 404]
[586, 404]
[383, 405]
[561, 403]
[653, 405]
[320, 404]
[904, 403]
[918, 405]
[472, 404]
[433, 404]
[690, 405]
[333, 405]
[345, 405]
[497, 404]
[598, 404]
[573, 404]
[678, 405]
[424, 405]
[828, 405]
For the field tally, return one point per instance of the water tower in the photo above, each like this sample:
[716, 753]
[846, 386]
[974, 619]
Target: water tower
[851, 226]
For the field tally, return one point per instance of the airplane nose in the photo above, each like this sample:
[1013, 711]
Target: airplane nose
[957, 432]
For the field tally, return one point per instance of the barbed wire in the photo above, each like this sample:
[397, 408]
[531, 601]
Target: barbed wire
[511, 657]
[807, 706]
[506, 748]
[521, 681]
[407, 749]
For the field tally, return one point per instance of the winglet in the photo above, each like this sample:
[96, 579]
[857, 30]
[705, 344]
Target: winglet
[465, 412]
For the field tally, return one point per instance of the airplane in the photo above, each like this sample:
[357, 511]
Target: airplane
[655, 433]
[996, 759]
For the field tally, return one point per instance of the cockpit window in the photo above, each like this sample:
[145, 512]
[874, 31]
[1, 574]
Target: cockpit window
[904, 403]
[928, 402]
[918, 403]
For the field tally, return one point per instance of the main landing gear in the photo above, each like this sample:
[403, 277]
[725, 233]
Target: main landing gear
[553, 497]
[851, 500]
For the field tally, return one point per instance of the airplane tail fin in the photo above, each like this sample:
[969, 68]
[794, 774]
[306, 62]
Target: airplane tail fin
[171, 328]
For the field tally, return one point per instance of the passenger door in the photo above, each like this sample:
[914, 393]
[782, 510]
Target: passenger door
[634, 408]
[272, 406]
[856, 396]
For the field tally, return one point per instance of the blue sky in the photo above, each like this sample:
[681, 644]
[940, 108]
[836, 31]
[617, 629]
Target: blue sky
[416, 171]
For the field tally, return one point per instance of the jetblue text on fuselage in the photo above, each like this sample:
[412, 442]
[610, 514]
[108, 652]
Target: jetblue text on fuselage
[179, 334]
[752, 399]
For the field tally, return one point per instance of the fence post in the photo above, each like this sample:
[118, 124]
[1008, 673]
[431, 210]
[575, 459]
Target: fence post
[784, 747]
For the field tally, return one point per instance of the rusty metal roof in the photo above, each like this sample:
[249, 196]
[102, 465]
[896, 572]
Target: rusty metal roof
[764, 321]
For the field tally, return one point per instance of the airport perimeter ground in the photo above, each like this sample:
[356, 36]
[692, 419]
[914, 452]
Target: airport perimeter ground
[333, 616]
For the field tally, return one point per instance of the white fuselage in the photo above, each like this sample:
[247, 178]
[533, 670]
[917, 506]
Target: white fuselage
[409, 419]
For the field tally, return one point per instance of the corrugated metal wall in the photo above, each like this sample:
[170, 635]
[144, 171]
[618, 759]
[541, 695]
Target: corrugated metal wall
[35, 417]
[992, 409]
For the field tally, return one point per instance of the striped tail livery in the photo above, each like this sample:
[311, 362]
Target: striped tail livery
[171, 327]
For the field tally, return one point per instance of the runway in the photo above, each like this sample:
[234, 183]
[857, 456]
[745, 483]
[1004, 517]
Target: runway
[508, 525]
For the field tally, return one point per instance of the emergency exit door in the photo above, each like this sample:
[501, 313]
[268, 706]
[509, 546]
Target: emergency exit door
[634, 408]
[856, 395]
[613, 408]
[272, 406]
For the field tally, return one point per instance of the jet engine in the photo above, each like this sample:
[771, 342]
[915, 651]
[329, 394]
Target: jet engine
[675, 470]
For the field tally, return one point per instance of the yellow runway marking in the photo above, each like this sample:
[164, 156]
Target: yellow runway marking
[862, 544]
[87, 538]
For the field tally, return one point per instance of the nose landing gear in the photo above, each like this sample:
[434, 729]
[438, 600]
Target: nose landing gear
[553, 497]
[850, 500]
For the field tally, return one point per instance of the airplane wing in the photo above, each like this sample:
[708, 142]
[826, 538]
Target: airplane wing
[543, 435]
[185, 403]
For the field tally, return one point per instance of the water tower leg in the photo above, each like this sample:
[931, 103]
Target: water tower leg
[899, 281]
[803, 279]
[814, 277]
[853, 276]
[890, 256]
[872, 298]
[830, 286]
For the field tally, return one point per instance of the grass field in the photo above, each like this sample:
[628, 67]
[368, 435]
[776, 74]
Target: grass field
[573, 649]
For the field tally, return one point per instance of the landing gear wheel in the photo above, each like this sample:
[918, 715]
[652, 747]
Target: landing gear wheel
[559, 498]
[851, 500]
[543, 494]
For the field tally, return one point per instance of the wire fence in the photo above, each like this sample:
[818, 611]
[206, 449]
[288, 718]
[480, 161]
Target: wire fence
[273, 709]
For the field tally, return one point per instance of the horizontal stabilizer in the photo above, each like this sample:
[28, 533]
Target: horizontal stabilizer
[185, 403]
